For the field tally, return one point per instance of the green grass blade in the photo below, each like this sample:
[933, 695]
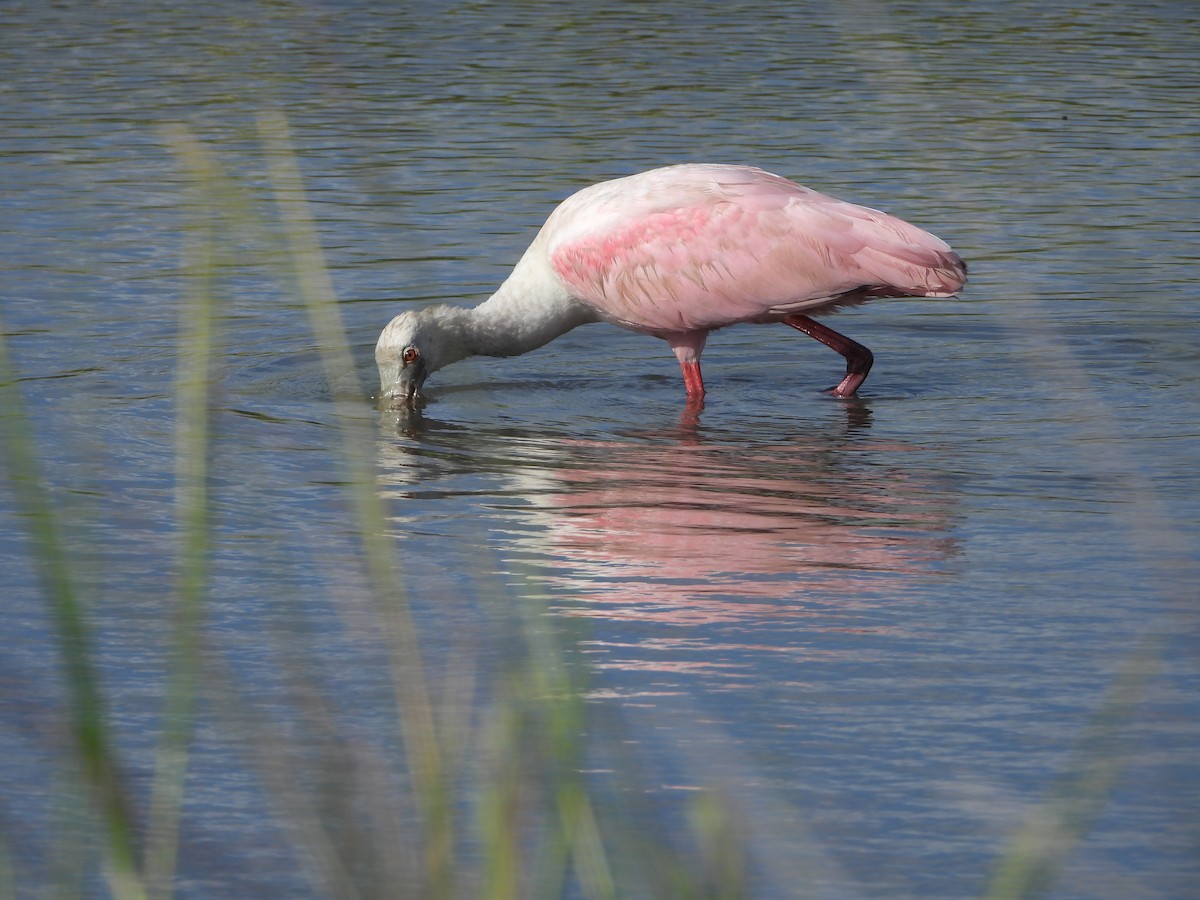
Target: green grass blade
[311, 277]
[88, 717]
[193, 412]
[1040, 849]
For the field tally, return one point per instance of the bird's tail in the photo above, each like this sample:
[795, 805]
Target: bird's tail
[917, 264]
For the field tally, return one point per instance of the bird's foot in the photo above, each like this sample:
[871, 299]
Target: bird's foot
[848, 387]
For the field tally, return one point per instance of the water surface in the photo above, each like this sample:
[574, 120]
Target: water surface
[882, 629]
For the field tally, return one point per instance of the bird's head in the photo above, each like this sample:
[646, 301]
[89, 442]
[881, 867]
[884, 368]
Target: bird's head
[413, 346]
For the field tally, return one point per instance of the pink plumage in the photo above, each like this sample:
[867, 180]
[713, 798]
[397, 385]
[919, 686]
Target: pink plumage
[701, 246]
[678, 252]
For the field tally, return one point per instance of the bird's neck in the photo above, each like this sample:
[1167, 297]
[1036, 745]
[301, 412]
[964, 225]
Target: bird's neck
[526, 312]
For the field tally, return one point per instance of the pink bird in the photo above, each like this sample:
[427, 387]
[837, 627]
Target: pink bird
[676, 253]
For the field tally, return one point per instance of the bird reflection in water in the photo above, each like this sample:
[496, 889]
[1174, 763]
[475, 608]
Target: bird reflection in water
[699, 532]
[691, 526]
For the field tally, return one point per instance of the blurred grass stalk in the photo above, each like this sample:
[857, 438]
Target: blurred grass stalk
[88, 719]
[1041, 848]
[414, 708]
[193, 411]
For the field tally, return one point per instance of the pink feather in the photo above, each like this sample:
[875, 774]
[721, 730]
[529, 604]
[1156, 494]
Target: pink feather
[700, 246]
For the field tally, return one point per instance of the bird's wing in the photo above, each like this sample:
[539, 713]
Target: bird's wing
[717, 246]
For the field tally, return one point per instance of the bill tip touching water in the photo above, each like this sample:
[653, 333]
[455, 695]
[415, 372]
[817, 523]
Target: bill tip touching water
[676, 253]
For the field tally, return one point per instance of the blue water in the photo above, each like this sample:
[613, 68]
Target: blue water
[883, 631]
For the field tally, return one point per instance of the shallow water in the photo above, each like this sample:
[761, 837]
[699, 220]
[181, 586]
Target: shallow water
[883, 628]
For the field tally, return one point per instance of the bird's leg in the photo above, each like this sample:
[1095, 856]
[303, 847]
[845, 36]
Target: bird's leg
[687, 348]
[692, 382]
[858, 357]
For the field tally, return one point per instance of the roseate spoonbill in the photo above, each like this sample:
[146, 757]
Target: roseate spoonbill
[677, 252]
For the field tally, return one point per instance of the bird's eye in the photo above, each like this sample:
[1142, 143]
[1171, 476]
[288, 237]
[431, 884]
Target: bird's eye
[411, 355]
